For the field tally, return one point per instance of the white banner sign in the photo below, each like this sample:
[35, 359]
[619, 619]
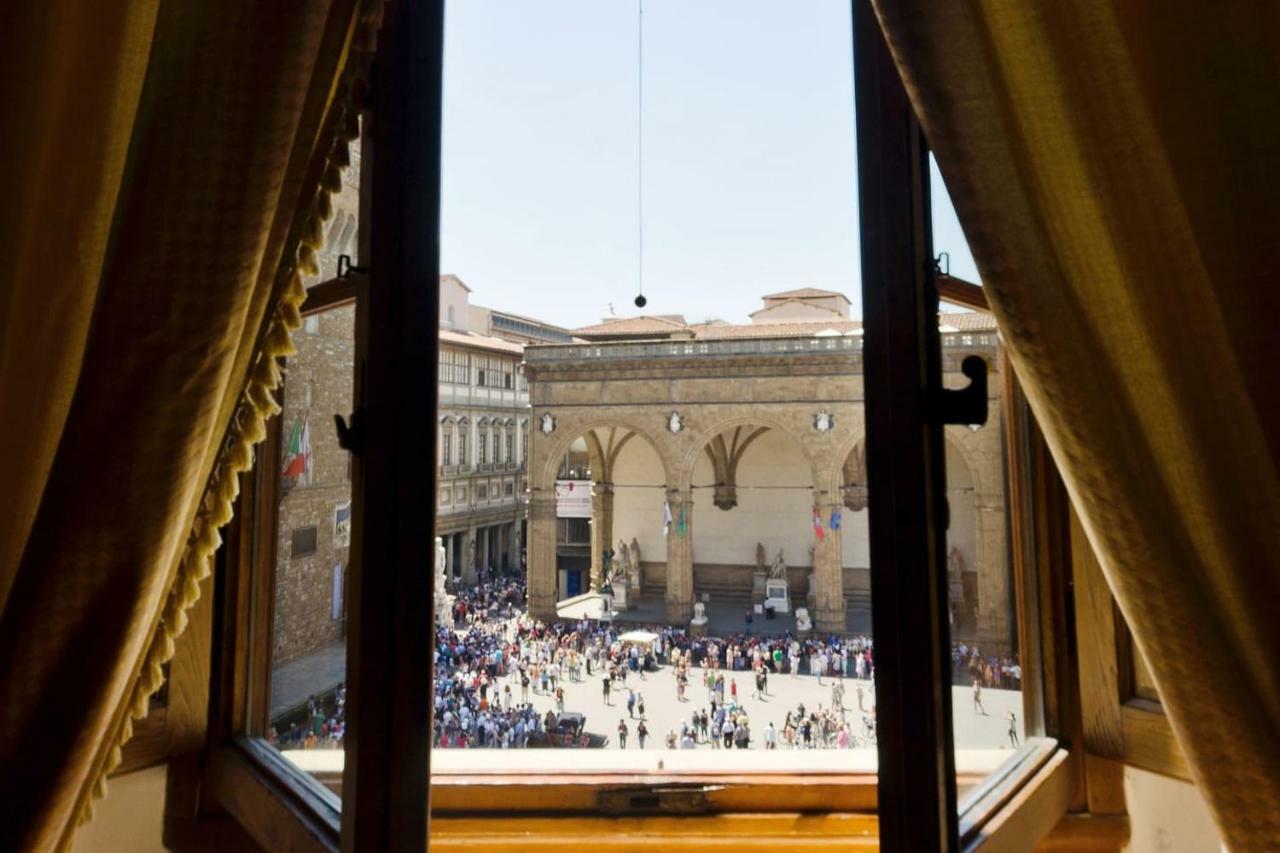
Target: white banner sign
[342, 525]
[573, 498]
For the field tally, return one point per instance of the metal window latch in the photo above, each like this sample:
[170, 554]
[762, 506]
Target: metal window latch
[351, 436]
[966, 405]
[645, 800]
[345, 267]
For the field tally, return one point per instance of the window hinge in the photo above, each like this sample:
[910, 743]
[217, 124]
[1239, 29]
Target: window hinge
[351, 436]
[647, 800]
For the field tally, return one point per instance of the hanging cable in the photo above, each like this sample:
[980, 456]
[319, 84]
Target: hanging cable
[640, 299]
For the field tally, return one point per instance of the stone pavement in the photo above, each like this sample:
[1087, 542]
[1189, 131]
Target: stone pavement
[664, 712]
[298, 680]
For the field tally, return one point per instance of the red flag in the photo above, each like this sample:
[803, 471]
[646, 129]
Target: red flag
[817, 522]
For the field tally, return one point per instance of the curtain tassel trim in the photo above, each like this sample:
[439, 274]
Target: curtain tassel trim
[257, 404]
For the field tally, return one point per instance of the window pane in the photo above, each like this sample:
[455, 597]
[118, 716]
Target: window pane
[341, 234]
[730, 401]
[309, 606]
[986, 672]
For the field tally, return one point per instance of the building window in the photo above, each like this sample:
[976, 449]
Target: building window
[462, 494]
[506, 456]
[509, 490]
[482, 492]
[462, 447]
[452, 321]
[303, 542]
[482, 447]
[446, 497]
[446, 446]
[455, 367]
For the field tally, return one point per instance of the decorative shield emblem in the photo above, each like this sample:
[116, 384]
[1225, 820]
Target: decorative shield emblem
[824, 421]
[675, 422]
[547, 425]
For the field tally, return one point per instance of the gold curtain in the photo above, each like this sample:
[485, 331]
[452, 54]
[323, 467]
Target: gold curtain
[173, 166]
[1117, 170]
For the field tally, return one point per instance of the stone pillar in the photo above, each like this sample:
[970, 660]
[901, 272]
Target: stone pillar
[601, 529]
[448, 556]
[470, 555]
[513, 546]
[542, 575]
[993, 573]
[828, 569]
[679, 597]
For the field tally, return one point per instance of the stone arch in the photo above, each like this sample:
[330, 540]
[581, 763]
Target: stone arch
[569, 431]
[696, 448]
[853, 476]
[725, 452]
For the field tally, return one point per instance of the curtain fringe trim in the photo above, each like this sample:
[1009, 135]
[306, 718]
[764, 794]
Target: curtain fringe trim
[257, 404]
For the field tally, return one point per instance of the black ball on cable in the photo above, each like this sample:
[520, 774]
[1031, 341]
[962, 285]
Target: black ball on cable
[641, 301]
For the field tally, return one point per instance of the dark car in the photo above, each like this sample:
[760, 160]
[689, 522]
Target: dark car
[568, 725]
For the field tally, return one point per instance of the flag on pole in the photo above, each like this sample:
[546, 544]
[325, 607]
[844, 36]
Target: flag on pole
[680, 524]
[835, 519]
[666, 518]
[297, 457]
[817, 522]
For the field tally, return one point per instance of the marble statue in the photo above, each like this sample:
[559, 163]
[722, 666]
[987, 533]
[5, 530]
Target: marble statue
[623, 562]
[635, 553]
[699, 612]
[803, 622]
[779, 569]
[443, 601]
[955, 561]
[762, 559]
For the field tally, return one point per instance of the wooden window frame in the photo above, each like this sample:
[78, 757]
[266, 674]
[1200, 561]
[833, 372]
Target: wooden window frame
[241, 781]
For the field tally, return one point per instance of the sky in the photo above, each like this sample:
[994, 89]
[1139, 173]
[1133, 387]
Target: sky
[749, 166]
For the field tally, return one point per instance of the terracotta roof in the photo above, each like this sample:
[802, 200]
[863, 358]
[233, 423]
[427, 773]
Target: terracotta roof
[658, 328]
[969, 321]
[793, 301]
[776, 330]
[665, 323]
[480, 342]
[804, 293]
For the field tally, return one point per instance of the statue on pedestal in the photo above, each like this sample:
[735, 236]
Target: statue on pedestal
[637, 568]
[622, 565]
[778, 571]
[443, 601]
[762, 559]
[803, 623]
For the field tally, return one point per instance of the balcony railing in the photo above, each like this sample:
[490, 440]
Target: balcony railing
[815, 345]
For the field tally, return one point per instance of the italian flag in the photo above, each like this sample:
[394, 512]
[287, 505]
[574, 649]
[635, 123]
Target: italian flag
[297, 458]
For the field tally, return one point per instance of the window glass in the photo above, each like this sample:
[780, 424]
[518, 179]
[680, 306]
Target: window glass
[314, 511]
[679, 577]
[986, 670]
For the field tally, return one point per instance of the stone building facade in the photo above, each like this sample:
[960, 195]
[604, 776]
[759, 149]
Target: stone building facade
[484, 411]
[752, 435]
[483, 440]
[309, 606]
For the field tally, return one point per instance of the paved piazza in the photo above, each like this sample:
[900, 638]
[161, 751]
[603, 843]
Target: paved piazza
[664, 712]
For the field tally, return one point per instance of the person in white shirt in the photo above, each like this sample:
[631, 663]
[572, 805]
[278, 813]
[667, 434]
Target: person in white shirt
[770, 737]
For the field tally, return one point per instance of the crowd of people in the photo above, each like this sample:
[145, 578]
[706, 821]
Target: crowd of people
[969, 664]
[495, 660]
